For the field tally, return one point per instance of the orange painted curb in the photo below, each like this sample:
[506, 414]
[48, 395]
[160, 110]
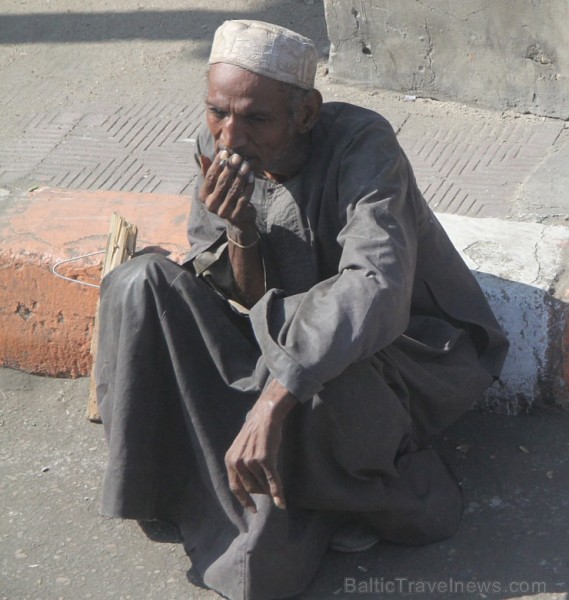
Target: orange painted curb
[46, 322]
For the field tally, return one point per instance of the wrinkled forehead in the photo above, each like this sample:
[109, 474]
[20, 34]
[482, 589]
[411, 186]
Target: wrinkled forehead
[229, 84]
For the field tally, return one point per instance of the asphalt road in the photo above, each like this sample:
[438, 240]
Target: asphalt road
[513, 541]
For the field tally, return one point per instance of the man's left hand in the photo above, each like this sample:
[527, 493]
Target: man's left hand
[251, 460]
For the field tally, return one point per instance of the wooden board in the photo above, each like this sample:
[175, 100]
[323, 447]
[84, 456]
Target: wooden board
[121, 245]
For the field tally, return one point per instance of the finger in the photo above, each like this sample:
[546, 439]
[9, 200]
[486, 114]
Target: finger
[227, 168]
[250, 474]
[223, 157]
[236, 191]
[275, 486]
[243, 210]
[205, 163]
[236, 486]
[219, 182]
[253, 477]
[212, 173]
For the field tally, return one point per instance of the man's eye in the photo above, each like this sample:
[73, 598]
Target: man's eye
[257, 119]
[217, 112]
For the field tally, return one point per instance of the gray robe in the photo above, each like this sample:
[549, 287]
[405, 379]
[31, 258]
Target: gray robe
[372, 321]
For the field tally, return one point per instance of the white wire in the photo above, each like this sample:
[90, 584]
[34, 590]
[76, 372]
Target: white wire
[62, 262]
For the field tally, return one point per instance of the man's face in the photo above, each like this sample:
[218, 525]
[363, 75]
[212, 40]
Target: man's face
[249, 114]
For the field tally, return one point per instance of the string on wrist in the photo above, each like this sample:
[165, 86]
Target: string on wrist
[243, 246]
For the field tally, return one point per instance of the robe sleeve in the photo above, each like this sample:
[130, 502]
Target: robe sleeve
[310, 338]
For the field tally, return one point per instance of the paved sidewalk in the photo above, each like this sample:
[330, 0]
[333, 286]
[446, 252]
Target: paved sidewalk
[101, 107]
[470, 162]
[109, 98]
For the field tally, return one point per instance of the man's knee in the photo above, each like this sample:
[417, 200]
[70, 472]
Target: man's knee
[146, 269]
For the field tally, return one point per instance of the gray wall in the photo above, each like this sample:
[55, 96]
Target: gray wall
[503, 54]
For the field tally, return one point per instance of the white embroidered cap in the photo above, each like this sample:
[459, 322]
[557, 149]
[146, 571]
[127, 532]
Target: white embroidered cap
[268, 50]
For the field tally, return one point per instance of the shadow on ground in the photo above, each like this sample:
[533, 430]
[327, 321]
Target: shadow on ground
[513, 541]
[158, 25]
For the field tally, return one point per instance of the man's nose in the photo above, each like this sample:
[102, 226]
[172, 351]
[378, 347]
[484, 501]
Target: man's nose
[233, 134]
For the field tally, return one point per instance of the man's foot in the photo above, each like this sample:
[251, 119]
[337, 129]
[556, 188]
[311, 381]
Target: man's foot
[353, 537]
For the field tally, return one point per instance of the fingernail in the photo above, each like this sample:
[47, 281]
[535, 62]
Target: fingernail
[235, 159]
[223, 155]
[244, 169]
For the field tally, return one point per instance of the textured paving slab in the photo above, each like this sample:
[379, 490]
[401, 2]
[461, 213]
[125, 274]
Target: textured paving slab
[86, 93]
[143, 148]
[548, 186]
[475, 168]
[472, 168]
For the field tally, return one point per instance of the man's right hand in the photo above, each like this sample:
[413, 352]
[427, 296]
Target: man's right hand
[252, 459]
[227, 189]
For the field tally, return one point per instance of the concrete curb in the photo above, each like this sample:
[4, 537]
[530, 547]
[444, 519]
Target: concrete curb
[46, 323]
[513, 51]
[521, 268]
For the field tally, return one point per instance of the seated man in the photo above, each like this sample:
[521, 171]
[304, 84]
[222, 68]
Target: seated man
[283, 383]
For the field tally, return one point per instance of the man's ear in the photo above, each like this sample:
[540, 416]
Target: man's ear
[309, 110]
